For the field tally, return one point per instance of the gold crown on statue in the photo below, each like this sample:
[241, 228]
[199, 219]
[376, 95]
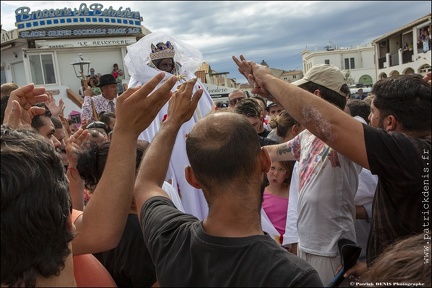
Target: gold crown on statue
[162, 51]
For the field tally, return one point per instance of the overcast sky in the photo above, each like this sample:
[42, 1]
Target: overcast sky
[274, 31]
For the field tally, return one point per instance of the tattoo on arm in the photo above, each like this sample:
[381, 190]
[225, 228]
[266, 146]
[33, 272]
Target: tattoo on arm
[283, 150]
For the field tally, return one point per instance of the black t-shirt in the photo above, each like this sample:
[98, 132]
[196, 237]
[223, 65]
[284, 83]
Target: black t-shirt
[264, 141]
[402, 165]
[129, 263]
[265, 133]
[185, 256]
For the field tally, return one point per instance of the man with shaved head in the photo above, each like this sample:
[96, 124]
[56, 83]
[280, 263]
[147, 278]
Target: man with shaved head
[229, 247]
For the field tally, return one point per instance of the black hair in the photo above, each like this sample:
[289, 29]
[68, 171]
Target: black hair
[35, 207]
[91, 162]
[3, 103]
[259, 98]
[57, 123]
[407, 98]
[37, 121]
[248, 107]
[360, 108]
[105, 117]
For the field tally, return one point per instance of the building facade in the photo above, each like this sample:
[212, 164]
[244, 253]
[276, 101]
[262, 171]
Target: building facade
[357, 63]
[286, 75]
[406, 50]
[45, 44]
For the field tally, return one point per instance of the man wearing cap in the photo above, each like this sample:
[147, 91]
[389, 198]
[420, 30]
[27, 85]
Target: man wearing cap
[106, 101]
[328, 180]
[395, 147]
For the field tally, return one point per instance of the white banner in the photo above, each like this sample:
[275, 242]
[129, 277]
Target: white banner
[71, 43]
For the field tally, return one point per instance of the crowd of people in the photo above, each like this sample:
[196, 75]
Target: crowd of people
[159, 188]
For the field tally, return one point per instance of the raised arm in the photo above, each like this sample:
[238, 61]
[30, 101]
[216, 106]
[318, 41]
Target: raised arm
[74, 145]
[151, 175]
[335, 127]
[104, 217]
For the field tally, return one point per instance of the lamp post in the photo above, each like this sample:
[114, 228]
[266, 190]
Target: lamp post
[80, 65]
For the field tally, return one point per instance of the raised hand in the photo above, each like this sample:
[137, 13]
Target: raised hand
[88, 91]
[52, 106]
[26, 96]
[19, 117]
[245, 69]
[137, 107]
[253, 73]
[182, 105]
[75, 144]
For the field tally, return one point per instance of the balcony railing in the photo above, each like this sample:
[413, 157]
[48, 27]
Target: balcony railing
[394, 59]
[407, 56]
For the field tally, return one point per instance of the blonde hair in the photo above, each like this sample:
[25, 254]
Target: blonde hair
[369, 99]
[402, 262]
[7, 88]
[283, 122]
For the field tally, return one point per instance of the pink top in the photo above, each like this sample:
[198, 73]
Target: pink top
[276, 209]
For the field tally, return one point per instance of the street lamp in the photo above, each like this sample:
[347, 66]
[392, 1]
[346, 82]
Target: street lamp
[80, 65]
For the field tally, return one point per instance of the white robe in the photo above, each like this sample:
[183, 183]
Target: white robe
[137, 62]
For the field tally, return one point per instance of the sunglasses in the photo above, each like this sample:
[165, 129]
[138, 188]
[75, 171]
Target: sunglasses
[97, 124]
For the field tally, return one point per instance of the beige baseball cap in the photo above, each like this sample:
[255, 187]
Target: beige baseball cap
[325, 75]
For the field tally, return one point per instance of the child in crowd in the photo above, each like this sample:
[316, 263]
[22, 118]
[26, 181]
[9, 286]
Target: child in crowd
[276, 194]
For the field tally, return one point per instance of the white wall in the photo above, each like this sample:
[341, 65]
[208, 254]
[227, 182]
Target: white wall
[102, 60]
[364, 60]
[9, 59]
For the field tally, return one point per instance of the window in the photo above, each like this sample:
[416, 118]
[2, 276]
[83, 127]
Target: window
[42, 69]
[327, 61]
[346, 64]
[352, 63]
[349, 63]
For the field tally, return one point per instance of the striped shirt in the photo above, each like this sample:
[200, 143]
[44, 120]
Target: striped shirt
[100, 103]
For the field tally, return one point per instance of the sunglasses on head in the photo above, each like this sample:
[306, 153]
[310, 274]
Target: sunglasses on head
[97, 124]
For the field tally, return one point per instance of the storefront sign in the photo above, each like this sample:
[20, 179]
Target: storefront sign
[70, 43]
[79, 32]
[23, 14]
[7, 36]
[213, 89]
[91, 20]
